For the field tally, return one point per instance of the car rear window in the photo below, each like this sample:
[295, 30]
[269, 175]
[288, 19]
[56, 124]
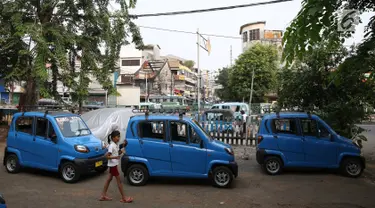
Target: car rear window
[284, 126]
[25, 124]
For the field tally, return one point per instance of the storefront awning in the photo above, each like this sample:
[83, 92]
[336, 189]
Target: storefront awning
[182, 67]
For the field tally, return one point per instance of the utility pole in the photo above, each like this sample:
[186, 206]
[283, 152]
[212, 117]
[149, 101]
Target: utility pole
[199, 73]
[231, 55]
[106, 98]
[146, 100]
[251, 94]
[250, 100]
[172, 77]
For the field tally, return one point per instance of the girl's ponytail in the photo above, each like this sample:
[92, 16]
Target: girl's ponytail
[109, 138]
[113, 134]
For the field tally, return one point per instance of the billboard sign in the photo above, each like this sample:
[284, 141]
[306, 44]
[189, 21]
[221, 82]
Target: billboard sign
[273, 34]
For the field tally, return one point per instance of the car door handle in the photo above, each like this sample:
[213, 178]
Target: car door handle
[275, 137]
[141, 141]
[171, 145]
[303, 139]
[34, 139]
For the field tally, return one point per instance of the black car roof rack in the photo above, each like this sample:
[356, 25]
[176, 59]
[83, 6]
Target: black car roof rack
[160, 111]
[147, 112]
[308, 114]
[44, 108]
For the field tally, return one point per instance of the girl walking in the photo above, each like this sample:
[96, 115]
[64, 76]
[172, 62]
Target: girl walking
[113, 155]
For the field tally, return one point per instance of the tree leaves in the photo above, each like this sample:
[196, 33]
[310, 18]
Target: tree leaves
[80, 28]
[318, 19]
[338, 96]
[236, 81]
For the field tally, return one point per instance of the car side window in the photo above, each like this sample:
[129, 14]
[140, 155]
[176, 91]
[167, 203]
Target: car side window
[51, 131]
[284, 126]
[151, 129]
[41, 127]
[44, 128]
[194, 137]
[179, 132]
[25, 124]
[309, 127]
[323, 131]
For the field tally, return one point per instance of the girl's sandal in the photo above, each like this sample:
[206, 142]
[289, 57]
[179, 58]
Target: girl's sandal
[105, 198]
[127, 200]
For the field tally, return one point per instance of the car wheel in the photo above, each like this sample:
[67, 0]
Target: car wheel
[12, 163]
[137, 175]
[69, 172]
[222, 177]
[101, 169]
[272, 165]
[352, 167]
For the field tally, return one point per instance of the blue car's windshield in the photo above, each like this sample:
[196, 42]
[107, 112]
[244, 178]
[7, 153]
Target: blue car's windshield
[72, 126]
[202, 130]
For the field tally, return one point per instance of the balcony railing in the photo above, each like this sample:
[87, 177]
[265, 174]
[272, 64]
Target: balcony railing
[188, 79]
[125, 79]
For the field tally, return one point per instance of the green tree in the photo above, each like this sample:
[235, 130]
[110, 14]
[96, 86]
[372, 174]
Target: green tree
[263, 59]
[323, 84]
[189, 63]
[222, 79]
[318, 20]
[61, 31]
[346, 95]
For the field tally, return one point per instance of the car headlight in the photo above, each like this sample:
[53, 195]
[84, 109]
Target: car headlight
[229, 151]
[81, 148]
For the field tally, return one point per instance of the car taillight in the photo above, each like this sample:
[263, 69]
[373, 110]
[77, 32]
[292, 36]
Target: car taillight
[260, 139]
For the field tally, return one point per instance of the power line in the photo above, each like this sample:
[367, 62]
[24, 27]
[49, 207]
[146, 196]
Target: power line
[208, 10]
[188, 32]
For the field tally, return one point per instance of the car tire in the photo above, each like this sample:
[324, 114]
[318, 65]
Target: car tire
[351, 167]
[12, 164]
[222, 177]
[137, 175]
[272, 165]
[69, 172]
[101, 169]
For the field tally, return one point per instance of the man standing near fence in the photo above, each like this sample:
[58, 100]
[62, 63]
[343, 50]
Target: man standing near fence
[244, 119]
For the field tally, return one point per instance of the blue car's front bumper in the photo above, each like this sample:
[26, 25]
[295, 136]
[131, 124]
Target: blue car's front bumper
[2, 202]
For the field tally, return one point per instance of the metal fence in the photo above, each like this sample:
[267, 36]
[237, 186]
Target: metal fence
[233, 132]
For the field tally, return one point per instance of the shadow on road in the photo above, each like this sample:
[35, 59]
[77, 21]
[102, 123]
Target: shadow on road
[178, 181]
[53, 175]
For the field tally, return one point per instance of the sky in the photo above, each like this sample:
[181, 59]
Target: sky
[228, 22]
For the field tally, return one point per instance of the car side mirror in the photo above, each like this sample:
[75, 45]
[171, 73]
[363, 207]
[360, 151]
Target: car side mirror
[202, 144]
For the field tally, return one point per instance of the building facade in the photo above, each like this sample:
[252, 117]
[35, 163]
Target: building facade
[184, 79]
[256, 32]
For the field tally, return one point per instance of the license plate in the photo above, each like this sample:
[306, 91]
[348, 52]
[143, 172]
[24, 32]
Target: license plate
[99, 163]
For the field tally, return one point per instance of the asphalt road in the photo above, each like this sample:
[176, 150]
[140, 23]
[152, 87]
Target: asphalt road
[318, 189]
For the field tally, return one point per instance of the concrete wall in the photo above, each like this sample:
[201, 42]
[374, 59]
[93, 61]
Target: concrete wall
[129, 52]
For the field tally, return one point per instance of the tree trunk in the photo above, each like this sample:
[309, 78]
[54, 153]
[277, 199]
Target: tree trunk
[55, 72]
[11, 92]
[30, 95]
[80, 106]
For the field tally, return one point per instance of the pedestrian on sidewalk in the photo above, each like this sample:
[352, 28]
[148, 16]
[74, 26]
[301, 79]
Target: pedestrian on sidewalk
[113, 155]
[244, 119]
